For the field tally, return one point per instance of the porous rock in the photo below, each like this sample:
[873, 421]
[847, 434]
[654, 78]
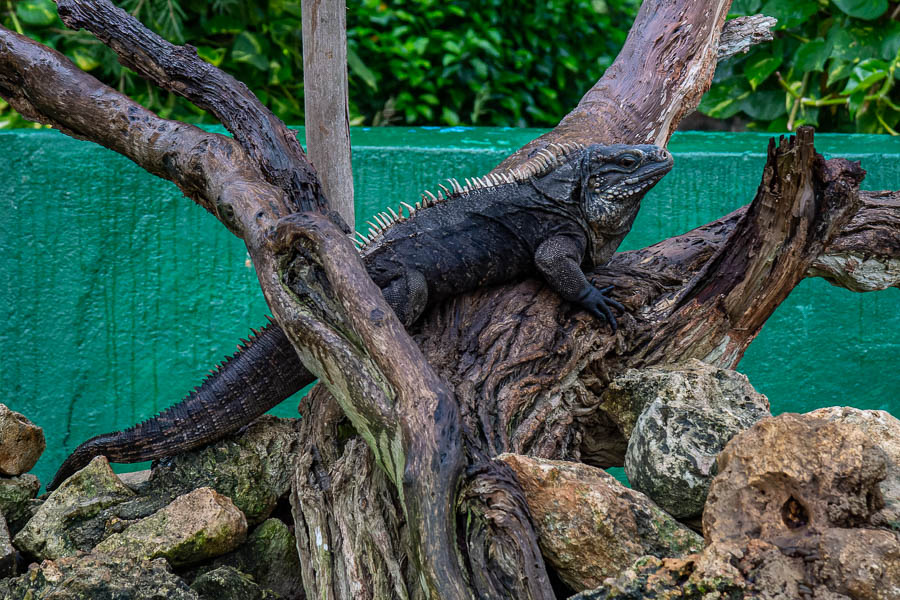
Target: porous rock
[788, 516]
[252, 467]
[227, 583]
[882, 429]
[688, 412]
[73, 517]
[194, 527]
[269, 556]
[589, 525]
[21, 442]
[16, 494]
[97, 577]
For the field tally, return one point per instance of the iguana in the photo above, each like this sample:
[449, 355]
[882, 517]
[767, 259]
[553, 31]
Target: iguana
[565, 207]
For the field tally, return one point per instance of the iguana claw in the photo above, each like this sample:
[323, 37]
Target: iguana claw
[595, 302]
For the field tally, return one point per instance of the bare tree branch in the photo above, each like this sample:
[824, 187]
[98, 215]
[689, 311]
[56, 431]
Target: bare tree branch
[268, 142]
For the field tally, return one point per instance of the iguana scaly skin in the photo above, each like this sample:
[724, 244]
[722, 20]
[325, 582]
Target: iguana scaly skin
[566, 208]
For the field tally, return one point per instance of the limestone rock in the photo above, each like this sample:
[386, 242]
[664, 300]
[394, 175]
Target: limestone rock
[269, 556]
[788, 516]
[97, 577]
[21, 442]
[15, 496]
[252, 467]
[7, 552]
[883, 429]
[72, 518]
[589, 525]
[194, 527]
[790, 473]
[688, 413]
[227, 583]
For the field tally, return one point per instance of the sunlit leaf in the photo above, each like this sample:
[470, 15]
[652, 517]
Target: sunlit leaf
[759, 66]
[36, 12]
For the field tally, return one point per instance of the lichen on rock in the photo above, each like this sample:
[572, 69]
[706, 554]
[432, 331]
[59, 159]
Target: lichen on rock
[72, 517]
[687, 413]
[16, 494]
[97, 577]
[227, 583]
[194, 527]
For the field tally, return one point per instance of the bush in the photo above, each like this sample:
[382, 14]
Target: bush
[421, 62]
[499, 62]
[832, 65]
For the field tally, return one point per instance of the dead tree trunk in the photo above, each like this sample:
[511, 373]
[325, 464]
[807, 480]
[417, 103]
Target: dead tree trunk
[396, 493]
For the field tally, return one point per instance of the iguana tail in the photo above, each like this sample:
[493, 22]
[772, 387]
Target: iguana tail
[262, 373]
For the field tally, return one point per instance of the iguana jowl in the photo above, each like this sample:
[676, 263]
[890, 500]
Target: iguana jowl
[565, 208]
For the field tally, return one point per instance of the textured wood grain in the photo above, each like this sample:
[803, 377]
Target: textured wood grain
[326, 100]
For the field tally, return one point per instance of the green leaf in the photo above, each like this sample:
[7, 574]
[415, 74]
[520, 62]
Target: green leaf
[213, 56]
[856, 101]
[723, 100]
[85, 60]
[866, 74]
[358, 68]
[250, 48]
[740, 8]
[890, 44]
[863, 9]
[790, 13]
[36, 12]
[811, 56]
[765, 106]
[838, 70]
[759, 66]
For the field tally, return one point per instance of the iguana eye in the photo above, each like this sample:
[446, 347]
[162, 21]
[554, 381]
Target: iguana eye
[628, 161]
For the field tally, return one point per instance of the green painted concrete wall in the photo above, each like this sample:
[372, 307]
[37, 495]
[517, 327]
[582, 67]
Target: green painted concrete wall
[118, 294]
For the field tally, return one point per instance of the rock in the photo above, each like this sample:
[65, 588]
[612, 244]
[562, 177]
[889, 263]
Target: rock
[252, 467]
[72, 517]
[194, 527]
[687, 579]
[688, 413]
[270, 556]
[97, 577]
[788, 474]
[7, 552]
[21, 442]
[882, 429]
[590, 526]
[227, 583]
[15, 496]
[136, 481]
[788, 516]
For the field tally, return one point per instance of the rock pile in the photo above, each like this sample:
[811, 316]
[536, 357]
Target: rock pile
[198, 526]
[790, 507]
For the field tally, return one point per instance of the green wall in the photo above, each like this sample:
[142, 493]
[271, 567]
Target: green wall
[118, 293]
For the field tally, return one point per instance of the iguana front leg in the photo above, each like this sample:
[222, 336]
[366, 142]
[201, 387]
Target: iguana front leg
[559, 261]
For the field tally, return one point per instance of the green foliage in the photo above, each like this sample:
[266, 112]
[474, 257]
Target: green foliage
[422, 62]
[832, 65]
[499, 62]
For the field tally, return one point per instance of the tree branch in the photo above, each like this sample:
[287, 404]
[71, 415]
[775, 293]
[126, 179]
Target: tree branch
[268, 142]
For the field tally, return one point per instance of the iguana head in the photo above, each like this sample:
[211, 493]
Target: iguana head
[613, 181]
